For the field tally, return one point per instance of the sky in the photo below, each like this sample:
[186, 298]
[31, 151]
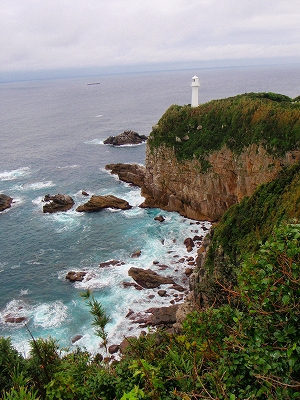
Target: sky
[37, 35]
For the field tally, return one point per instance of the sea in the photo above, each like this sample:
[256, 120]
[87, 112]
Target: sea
[51, 142]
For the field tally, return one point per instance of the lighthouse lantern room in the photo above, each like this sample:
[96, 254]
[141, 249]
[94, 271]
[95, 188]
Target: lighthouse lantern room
[195, 85]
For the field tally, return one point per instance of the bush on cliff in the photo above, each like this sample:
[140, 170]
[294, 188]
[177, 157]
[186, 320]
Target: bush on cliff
[270, 119]
[245, 226]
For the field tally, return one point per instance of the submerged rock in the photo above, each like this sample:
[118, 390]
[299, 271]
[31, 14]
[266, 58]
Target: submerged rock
[5, 202]
[97, 203]
[127, 137]
[58, 202]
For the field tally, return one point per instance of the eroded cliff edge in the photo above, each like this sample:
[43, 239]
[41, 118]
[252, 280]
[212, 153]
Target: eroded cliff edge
[182, 186]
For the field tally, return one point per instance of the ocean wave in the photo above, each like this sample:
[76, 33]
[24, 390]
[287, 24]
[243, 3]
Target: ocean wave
[14, 174]
[34, 185]
[99, 115]
[68, 166]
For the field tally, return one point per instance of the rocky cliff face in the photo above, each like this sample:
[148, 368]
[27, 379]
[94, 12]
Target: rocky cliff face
[184, 187]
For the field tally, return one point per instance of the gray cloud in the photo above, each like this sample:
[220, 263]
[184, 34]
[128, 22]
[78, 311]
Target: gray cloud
[43, 34]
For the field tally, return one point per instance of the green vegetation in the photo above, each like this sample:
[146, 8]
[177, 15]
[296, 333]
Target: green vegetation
[245, 226]
[270, 119]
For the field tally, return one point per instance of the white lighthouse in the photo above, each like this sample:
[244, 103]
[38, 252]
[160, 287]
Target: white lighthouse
[195, 85]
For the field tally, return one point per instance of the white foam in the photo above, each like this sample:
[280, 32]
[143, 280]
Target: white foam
[50, 315]
[99, 115]
[34, 185]
[14, 309]
[94, 141]
[68, 166]
[24, 292]
[14, 174]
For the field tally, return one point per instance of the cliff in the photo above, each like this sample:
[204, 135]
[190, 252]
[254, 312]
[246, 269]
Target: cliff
[200, 161]
[182, 185]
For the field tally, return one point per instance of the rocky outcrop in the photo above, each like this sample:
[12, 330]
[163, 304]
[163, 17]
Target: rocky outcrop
[97, 203]
[127, 137]
[183, 187]
[130, 173]
[147, 278]
[5, 202]
[58, 202]
[74, 276]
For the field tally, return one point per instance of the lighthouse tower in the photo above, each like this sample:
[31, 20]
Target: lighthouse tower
[195, 85]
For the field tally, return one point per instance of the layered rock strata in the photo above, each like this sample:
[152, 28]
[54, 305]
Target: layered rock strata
[206, 195]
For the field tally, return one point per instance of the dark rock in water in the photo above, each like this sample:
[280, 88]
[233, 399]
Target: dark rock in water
[14, 320]
[177, 287]
[136, 254]
[130, 173]
[159, 218]
[73, 276]
[58, 202]
[111, 263]
[189, 243]
[147, 278]
[162, 293]
[76, 338]
[97, 203]
[197, 238]
[5, 202]
[132, 284]
[84, 193]
[114, 348]
[127, 137]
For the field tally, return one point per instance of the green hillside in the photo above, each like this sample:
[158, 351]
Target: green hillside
[267, 118]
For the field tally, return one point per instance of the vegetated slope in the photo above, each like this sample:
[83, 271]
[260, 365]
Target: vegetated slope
[245, 226]
[237, 122]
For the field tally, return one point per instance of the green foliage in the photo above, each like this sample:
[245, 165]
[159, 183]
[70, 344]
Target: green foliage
[100, 318]
[270, 119]
[21, 388]
[247, 224]
[10, 360]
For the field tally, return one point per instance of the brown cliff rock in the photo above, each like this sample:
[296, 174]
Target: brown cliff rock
[182, 187]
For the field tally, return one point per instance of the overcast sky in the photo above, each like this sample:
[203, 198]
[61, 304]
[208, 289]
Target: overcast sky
[58, 34]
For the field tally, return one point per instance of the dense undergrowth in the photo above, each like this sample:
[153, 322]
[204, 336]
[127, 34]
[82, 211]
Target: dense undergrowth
[270, 119]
